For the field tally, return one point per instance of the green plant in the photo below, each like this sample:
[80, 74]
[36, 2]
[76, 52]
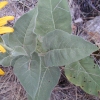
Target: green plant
[42, 41]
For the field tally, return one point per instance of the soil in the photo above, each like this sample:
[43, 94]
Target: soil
[82, 11]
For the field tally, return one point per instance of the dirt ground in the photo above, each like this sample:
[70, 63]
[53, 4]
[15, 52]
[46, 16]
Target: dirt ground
[82, 11]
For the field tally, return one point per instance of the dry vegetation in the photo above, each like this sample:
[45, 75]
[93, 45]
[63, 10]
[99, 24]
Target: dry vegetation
[10, 87]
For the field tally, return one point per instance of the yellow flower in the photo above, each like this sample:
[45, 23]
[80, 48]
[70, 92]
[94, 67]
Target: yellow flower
[3, 4]
[4, 29]
[2, 72]
[4, 20]
[2, 49]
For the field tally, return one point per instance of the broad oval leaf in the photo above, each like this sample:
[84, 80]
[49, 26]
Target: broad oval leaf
[53, 14]
[48, 80]
[86, 74]
[28, 71]
[63, 48]
[23, 35]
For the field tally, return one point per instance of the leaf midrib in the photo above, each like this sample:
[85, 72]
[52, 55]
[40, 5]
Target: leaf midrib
[52, 15]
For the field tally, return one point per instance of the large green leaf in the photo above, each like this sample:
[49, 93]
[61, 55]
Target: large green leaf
[84, 73]
[28, 72]
[53, 14]
[49, 78]
[64, 48]
[38, 86]
[23, 39]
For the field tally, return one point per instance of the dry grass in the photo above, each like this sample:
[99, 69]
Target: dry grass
[10, 87]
